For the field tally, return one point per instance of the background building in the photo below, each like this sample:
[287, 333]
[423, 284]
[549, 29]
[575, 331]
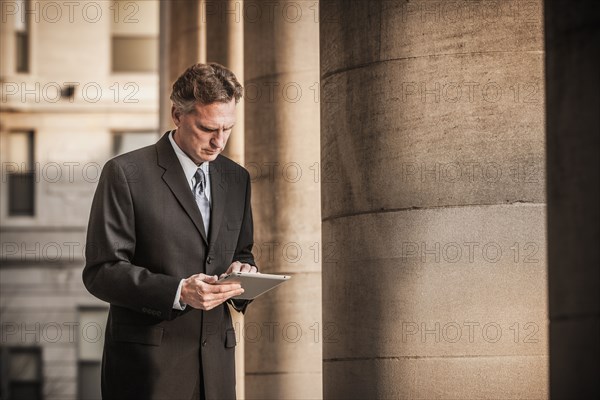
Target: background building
[79, 85]
[426, 170]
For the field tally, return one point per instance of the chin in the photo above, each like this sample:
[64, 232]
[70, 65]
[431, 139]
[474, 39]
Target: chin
[210, 157]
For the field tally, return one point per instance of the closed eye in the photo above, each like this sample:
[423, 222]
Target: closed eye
[206, 129]
[212, 130]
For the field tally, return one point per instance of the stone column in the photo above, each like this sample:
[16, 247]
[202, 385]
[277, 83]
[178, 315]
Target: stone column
[225, 45]
[432, 147]
[283, 328]
[182, 43]
[573, 126]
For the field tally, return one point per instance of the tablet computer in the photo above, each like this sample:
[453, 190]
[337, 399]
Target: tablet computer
[254, 284]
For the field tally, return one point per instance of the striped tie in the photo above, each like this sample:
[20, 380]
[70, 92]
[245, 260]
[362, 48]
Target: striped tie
[201, 199]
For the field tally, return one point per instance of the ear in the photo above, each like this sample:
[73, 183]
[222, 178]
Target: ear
[176, 116]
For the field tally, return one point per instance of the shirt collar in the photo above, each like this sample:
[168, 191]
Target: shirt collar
[189, 166]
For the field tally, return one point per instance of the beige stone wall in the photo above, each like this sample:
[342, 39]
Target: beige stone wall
[433, 200]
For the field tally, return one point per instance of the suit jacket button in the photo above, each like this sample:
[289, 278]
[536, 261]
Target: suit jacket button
[209, 260]
[204, 342]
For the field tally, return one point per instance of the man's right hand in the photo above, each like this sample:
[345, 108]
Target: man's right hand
[199, 292]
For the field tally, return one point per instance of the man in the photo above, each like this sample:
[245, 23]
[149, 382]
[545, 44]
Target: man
[166, 221]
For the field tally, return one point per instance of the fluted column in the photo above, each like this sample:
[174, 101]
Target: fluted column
[573, 129]
[432, 148]
[225, 45]
[283, 328]
[182, 43]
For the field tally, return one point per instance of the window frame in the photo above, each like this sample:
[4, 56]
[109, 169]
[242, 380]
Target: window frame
[7, 384]
[22, 40]
[117, 137]
[12, 211]
[132, 71]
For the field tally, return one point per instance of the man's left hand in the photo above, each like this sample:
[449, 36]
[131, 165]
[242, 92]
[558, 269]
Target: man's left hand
[237, 266]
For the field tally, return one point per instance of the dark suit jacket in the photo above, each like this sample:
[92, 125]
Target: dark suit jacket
[145, 234]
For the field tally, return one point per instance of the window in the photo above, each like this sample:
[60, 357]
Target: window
[21, 372]
[134, 36]
[22, 36]
[128, 141]
[134, 54]
[21, 175]
[92, 325]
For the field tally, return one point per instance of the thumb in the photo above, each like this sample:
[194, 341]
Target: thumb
[210, 278]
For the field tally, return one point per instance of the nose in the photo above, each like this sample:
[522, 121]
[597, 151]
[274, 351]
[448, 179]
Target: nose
[218, 139]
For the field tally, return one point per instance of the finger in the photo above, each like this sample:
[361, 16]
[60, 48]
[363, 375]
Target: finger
[224, 288]
[209, 302]
[199, 278]
[219, 288]
[210, 278]
[253, 269]
[245, 268]
[226, 295]
[220, 297]
[236, 266]
[204, 287]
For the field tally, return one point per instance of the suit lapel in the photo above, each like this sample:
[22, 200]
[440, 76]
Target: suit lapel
[175, 179]
[218, 188]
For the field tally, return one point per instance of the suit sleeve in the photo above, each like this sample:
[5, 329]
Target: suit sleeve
[243, 251]
[109, 273]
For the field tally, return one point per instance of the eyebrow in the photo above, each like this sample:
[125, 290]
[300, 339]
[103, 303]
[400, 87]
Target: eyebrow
[206, 128]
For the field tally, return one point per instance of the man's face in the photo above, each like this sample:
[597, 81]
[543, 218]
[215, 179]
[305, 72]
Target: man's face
[203, 133]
